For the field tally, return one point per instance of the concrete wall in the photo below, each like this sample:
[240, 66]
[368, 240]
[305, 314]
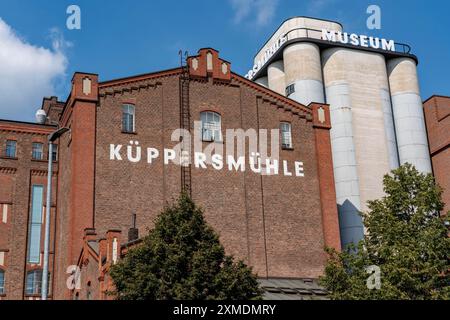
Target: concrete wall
[344, 162]
[264, 81]
[303, 69]
[276, 77]
[289, 28]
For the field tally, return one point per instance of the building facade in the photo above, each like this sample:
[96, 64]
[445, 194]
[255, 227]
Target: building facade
[437, 115]
[23, 182]
[347, 109]
[372, 88]
[122, 161]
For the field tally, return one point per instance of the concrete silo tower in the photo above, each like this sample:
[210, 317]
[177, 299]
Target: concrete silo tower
[408, 113]
[376, 111]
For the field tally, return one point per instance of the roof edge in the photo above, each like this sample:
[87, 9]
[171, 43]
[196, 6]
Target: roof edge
[139, 77]
[28, 123]
[294, 17]
[272, 93]
[436, 96]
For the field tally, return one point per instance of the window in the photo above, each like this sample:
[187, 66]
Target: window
[128, 118]
[37, 151]
[4, 213]
[290, 89]
[34, 282]
[211, 126]
[11, 147]
[34, 244]
[2, 282]
[286, 136]
[54, 152]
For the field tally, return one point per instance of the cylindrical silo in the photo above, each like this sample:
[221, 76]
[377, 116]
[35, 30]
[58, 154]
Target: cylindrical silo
[344, 163]
[408, 114]
[389, 128]
[303, 72]
[264, 81]
[275, 76]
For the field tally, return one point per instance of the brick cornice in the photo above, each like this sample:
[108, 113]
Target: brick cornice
[139, 78]
[130, 89]
[42, 173]
[26, 128]
[8, 170]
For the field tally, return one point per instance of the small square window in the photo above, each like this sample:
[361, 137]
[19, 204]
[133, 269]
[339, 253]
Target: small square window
[290, 89]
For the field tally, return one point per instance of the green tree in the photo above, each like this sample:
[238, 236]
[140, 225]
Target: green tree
[406, 238]
[182, 259]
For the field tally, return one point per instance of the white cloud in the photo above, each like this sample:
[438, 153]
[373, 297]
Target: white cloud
[28, 72]
[259, 12]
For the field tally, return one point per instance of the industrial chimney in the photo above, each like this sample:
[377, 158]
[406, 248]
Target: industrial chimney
[133, 233]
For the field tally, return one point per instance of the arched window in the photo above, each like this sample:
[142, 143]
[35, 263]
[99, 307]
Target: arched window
[286, 135]
[2, 281]
[128, 118]
[34, 282]
[211, 126]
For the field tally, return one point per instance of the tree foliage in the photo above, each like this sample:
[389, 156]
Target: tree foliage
[406, 238]
[182, 259]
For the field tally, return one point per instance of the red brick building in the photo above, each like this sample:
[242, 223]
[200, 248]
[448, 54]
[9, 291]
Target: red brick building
[277, 223]
[437, 116]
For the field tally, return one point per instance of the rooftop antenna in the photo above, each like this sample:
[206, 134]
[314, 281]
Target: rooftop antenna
[133, 220]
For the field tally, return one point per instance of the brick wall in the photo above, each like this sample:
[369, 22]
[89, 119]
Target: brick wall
[437, 116]
[277, 224]
[16, 178]
[274, 223]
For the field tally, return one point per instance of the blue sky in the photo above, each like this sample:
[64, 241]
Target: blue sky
[123, 38]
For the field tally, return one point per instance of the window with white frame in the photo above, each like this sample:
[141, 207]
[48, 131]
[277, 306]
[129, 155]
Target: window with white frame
[211, 126]
[35, 229]
[37, 151]
[11, 149]
[54, 152]
[128, 118]
[286, 135]
[34, 282]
